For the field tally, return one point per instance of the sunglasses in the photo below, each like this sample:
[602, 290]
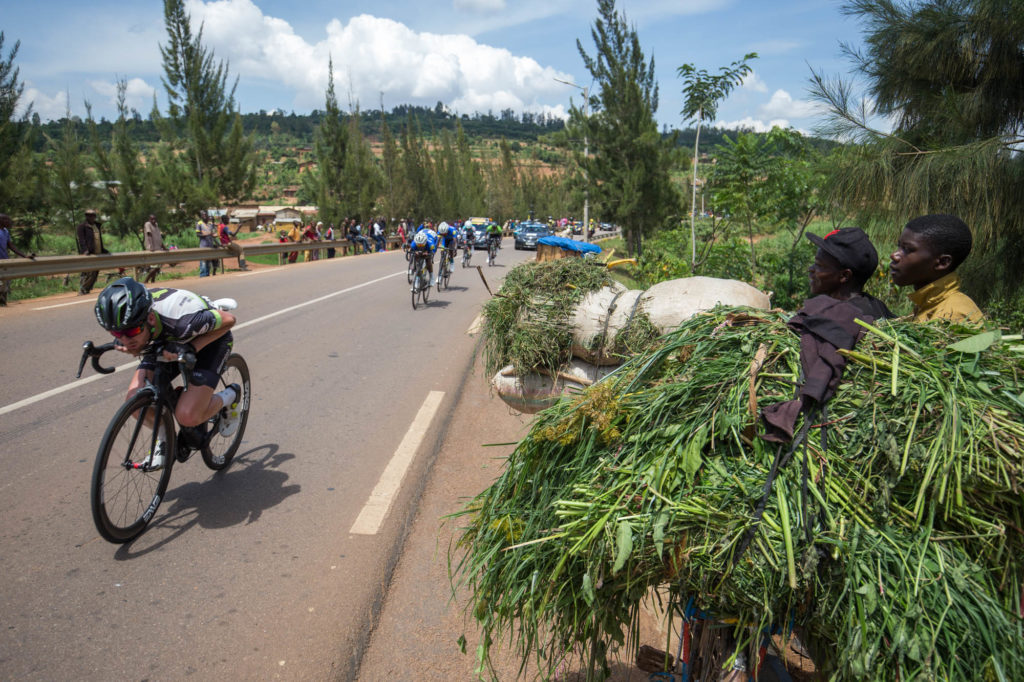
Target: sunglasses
[128, 333]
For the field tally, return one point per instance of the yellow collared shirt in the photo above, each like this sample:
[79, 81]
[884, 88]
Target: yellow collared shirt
[943, 300]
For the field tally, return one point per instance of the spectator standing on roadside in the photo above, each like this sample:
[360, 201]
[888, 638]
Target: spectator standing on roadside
[152, 240]
[295, 235]
[401, 232]
[204, 230]
[312, 234]
[329, 236]
[6, 245]
[90, 242]
[378, 235]
[227, 240]
[282, 237]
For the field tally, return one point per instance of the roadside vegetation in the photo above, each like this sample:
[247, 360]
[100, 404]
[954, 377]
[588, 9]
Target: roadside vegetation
[958, 117]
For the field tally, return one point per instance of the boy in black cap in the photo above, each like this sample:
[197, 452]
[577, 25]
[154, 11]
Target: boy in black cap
[845, 261]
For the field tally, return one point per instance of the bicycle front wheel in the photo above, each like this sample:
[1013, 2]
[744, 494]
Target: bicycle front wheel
[224, 441]
[125, 495]
[416, 286]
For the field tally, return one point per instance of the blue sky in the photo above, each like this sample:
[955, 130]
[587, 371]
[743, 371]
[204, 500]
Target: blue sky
[474, 55]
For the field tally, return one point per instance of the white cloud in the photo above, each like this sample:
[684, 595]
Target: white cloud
[749, 123]
[782, 104]
[138, 93]
[754, 82]
[479, 5]
[775, 47]
[48, 108]
[373, 56]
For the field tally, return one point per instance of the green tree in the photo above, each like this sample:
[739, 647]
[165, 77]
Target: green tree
[473, 190]
[390, 170]
[703, 92]
[17, 170]
[130, 196]
[71, 189]
[948, 73]
[628, 167]
[363, 179]
[202, 114]
[325, 184]
[416, 170]
[738, 182]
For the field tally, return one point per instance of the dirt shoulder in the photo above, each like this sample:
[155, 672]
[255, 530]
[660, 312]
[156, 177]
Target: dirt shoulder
[417, 634]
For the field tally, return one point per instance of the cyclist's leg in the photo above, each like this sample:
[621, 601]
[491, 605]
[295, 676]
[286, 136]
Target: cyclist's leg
[199, 402]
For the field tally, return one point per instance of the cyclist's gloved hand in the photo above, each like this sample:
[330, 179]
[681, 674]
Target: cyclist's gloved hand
[175, 349]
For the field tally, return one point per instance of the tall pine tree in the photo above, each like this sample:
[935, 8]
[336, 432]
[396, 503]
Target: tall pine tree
[203, 122]
[628, 168]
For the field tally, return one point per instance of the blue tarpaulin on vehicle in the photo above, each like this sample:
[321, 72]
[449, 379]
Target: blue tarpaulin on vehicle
[570, 244]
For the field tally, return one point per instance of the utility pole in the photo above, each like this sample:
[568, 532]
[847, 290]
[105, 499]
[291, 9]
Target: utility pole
[586, 154]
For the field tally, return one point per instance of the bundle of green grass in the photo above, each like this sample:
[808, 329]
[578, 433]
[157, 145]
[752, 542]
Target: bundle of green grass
[896, 549]
[528, 325]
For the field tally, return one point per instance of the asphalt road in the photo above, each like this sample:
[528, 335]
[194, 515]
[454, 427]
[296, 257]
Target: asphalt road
[251, 573]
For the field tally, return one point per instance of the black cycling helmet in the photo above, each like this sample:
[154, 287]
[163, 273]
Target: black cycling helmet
[123, 304]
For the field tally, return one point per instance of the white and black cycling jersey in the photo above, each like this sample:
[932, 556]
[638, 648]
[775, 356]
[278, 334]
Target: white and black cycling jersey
[183, 315]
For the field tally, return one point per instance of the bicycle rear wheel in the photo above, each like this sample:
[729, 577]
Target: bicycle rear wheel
[221, 449]
[425, 291]
[124, 496]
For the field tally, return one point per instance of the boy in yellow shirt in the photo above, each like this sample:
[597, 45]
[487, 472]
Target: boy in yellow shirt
[927, 255]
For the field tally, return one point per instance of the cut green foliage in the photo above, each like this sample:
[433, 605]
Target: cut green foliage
[527, 323]
[900, 556]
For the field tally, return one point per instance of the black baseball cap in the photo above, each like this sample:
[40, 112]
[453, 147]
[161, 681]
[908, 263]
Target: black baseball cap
[851, 247]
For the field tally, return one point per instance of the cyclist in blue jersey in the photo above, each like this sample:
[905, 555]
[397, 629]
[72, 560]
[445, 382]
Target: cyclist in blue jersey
[448, 240]
[185, 322]
[425, 242]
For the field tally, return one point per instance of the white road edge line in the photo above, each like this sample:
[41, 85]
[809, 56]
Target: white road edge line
[132, 364]
[376, 508]
[61, 305]
[317, 300]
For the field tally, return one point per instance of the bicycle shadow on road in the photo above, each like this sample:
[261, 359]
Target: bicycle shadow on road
[240, 494]
[434, 303]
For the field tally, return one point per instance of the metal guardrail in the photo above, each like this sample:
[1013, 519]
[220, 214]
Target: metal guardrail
[13, 268]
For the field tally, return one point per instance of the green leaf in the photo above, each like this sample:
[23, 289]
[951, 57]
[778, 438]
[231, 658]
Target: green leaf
[976, 343]
[588, 589]
[462, 643]
[659, 532]
[691, 455]
[623, 545]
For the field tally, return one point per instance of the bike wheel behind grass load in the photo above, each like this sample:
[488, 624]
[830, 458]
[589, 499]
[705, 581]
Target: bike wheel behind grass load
[221, 448]
[124, 495]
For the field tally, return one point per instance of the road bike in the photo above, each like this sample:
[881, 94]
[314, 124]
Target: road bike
[125, 491]
[445, 273]
[492, 251]
[467, 254]
[421, 279]
[411, 269]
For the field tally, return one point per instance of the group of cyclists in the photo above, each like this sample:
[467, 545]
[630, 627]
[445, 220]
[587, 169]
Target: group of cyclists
[448, 238]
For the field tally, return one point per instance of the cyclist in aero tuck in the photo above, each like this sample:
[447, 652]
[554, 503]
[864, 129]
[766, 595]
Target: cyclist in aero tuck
[185, 322]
